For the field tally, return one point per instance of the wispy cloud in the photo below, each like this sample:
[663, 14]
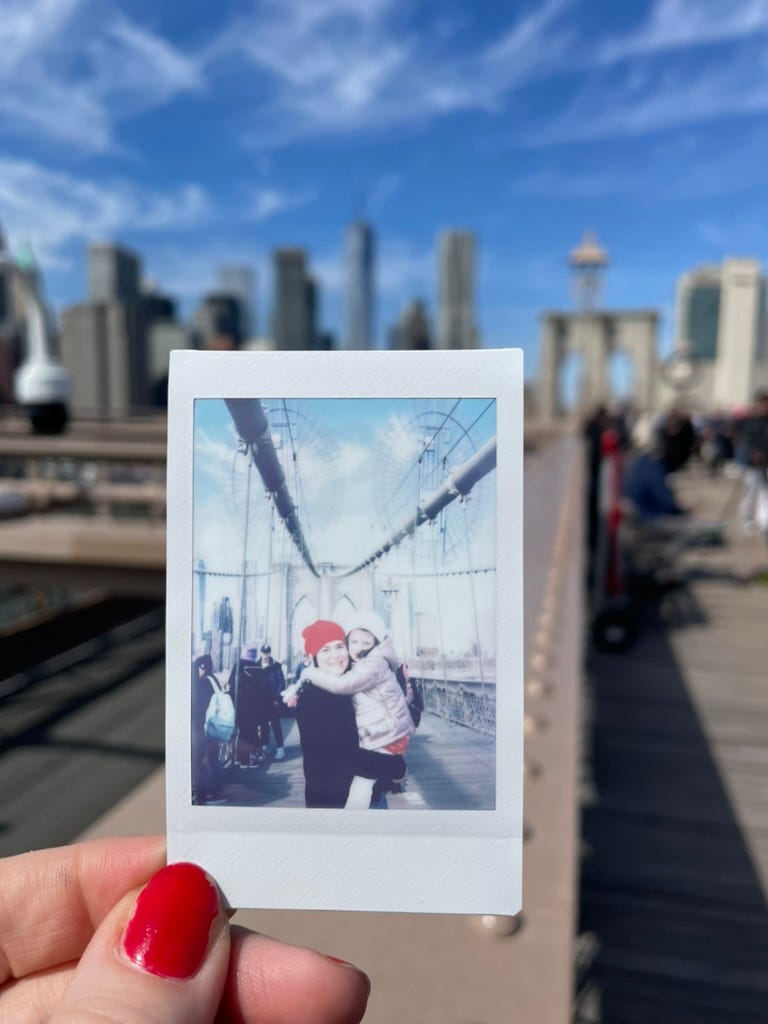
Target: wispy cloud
[655, 171]
[673, 96]
[681, 24]
[53, 208]
[267, 202]
[70, 68]
[339, 66]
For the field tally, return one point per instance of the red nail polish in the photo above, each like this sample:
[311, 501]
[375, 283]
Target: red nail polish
[168, 933]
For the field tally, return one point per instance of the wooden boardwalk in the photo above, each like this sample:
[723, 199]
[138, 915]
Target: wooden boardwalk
[674, 908]
[450, 767]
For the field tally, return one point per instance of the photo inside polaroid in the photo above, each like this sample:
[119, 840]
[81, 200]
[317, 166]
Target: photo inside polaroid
[343, 639]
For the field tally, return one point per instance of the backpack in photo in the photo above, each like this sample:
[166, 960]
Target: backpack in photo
[220, 715]
[417, 705]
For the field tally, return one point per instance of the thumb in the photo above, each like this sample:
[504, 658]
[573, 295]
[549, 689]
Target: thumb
[160, 958]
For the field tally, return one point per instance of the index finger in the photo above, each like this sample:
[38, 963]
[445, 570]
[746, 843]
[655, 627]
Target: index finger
[52, 901]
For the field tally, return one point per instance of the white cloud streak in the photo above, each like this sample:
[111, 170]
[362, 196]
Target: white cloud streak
[726, 89]
[341, 66]
[54, 209]
[268, 202]
[69, 69]
[683, 24]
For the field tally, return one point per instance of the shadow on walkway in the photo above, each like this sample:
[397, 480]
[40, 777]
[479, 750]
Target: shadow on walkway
[672, 905]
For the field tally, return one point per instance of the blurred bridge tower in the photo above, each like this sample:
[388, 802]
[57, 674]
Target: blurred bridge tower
[595, 335]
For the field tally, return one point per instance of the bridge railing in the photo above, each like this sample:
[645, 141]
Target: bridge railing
[462, 701]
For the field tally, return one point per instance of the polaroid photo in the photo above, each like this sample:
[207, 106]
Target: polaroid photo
[345, 628]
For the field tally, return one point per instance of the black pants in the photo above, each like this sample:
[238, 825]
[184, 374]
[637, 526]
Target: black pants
[274, 721]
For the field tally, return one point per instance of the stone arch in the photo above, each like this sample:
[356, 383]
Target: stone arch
[342, 609]
[596, 335]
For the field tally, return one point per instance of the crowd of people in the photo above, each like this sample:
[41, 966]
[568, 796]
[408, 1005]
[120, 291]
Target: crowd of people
[355, 710]
[660, 446]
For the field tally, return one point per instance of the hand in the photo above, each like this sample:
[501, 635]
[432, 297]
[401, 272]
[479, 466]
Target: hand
[290, 695]
[79, 943]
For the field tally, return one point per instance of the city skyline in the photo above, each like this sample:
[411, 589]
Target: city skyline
[214, 139]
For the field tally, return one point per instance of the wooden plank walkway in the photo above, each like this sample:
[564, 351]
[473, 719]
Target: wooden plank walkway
[449, 766]
[674, 909]
[83, 729]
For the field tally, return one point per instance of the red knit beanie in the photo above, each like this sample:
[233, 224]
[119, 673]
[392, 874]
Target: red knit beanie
[320, 633]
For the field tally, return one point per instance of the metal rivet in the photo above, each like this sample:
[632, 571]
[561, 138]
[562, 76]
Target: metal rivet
[499, 926]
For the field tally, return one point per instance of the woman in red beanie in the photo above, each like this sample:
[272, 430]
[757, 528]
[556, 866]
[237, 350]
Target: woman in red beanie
[328, 730]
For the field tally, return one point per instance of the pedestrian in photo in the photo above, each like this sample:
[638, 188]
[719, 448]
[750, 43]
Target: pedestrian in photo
[206, 773]
[271, 673]
[253, 701]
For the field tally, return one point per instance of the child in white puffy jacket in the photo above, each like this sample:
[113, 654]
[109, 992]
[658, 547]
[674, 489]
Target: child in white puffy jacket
[384, 723]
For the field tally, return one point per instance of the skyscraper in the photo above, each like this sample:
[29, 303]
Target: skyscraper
[456, 290]
[114, 273]
[698, 311]
[290, 314]
[218, 321]
[359, 258]
[412, 330]
[721, 320]
[239, 280]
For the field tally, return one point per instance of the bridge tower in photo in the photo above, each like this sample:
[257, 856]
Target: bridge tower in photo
[595, 334]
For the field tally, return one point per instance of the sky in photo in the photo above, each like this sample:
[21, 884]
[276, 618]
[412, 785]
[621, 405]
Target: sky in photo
[206, 133]
[356, 479]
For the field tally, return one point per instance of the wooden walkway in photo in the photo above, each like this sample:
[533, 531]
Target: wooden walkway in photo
[674, 908]
[449, 766]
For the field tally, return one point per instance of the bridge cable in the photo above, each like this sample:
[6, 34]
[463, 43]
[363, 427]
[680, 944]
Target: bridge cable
[427, 443]
[465, 503]
[241, 624]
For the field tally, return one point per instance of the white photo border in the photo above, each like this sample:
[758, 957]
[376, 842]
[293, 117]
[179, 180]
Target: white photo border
[436, 861]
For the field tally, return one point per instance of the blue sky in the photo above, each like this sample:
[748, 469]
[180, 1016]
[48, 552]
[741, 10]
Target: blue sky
[201, 134]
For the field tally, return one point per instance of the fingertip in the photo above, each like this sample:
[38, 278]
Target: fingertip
[270, 982]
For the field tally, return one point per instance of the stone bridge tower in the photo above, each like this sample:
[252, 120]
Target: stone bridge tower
[595, 334]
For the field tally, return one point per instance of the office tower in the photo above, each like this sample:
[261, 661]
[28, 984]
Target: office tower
[698, 311]
[325, 341]
[239, 280]
[721, 321]
[311, 298]
[114, 273]
[456, 290]
[163, 336]
[219, 321]
[412, 330]
[10, 333]
[103, 345]
[359, 258]
[290, 321]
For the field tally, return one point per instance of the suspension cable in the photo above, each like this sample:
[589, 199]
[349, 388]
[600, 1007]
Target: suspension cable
[474, 603]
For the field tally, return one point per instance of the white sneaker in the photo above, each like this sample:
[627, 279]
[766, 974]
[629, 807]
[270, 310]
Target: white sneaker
[280, 754]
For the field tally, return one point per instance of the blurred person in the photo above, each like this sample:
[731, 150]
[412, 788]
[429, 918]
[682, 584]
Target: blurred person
[305, 661]
[593, 429]
[271, 674]
[753, 445]
[81, 942]
[206, 769]
[646, 486]
[253, 702]
[677, 438]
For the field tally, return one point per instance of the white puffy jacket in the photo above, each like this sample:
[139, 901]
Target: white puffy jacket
[381, 712]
